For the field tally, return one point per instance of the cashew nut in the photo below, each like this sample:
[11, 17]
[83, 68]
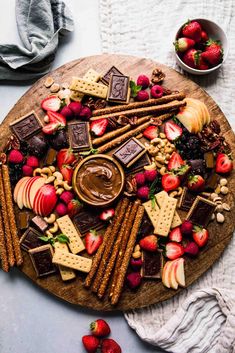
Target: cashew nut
[153, 151]
[168, 150]
[162, 170]
[179, 190]
[59, 191]
[136, 255]
[162, 135]
[49, 234]
[46, 119]
[51, 219]
[160, 159]
[46, 171]
[58, 175]
[52, 168]
[158, 141]
[58, 182]
[150, 166]
[173, 193]
[50, 179]
[54, 229]
[158, 164]
[37, 171]
[67, 187]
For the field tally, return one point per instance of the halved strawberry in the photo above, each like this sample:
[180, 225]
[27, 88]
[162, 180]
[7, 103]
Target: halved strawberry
[224, 164]
[67, 172]
[65, 156]
[106, 215]
[98, 127]
[51, 103]
[200, 235]
[55, 117]
[174, 250]
[149, 243]
[176, 235]
[175, 162]
[92, 242]
[170, 182]
[51, 128]
[151, 132]
[172, 131]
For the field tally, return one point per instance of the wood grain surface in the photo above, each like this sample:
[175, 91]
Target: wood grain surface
[220, 235]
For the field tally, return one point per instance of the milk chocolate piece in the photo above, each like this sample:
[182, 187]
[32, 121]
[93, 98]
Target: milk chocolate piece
[138, 165]
[79, 137]
[86, 220]
[39, 223]
[212, 181]
[37, 145]
[187, 199]
[26, 126]
[41, 258]
[129, 152]
[23, 220]
[209, 159]
[50, 157]
[118, 88]
[30, 239]
[201, 211]
[152, 264]
[112, 71]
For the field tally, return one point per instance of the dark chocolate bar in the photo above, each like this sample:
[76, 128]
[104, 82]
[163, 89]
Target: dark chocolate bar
[86, 220]
[146, 227]
[23, 220]
[79, 137]
[41, 258]
[201, 211]
[118, 89]
[152, 264]
[30, 239]
[138, 165]
[187, 199]
[26, 126]
[37, 145]
[112, 71]
[212, 181]
[129, 152]
[39, 223]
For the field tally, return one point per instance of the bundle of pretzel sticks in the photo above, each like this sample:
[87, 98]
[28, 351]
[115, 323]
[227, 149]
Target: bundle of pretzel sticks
[10, 252]
[162, 108]
[111, 261]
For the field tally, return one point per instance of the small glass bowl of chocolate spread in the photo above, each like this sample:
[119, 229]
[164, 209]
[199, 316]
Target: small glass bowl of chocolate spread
[98, 180]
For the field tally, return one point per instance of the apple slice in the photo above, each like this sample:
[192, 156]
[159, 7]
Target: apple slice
[45, 200]
[27, 188]
[37, 184]
[19, 198]
[179, 274]
[166, 274]
[207, 114]
[196, 104]
[37, 202]
[186, 119]
[17, 187]
[172, 275]
[195, 116]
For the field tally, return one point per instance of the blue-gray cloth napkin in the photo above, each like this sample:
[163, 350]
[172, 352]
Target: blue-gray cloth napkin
[39, 24]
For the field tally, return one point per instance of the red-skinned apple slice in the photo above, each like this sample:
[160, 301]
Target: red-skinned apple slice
[27, 188]
[19, 198]
[36, 202]
[166, 274]
[45, 200]
[180, 275]
[37, 184]
[172, 275]
[17, 187]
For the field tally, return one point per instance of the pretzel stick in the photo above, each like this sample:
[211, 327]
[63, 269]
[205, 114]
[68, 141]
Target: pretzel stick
[98, 255]
[3, 249]
[10, 251]
[154, 109]
[123, 245]
[131, 242]
[164, 99]
[117, 141]
[110, 135]
[111, 262]
[108, 247]
[11, 215]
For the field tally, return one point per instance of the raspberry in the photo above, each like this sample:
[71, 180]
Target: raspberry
[142, 96]
[143, 81]
[76, 108]
[15, 157]
[143, 192]
[67, 113]
[32, 161]
[140, 178]
[27, 170]
[133, 280]
[61, 209]
[85, 113]
[186, 227]
[150, 175]
[67, 196]
[136, 264]
[156, 91]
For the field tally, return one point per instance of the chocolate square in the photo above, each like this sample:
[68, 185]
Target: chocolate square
[201, 211]
[139, 164]
[112, 71]
[152, 264]
[86, 220]
[129, 152]
[41, 258]
[118, 89]
[187, 199]
[39, 223]
[23, 220]
[26, 126]
[30, 239]
[37, 145]
[212, 181]
[79, 136]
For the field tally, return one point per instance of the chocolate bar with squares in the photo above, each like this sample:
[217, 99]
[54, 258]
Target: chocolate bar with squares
[39, 223]
[41, 258]
[187, 199]
[26, 126]
[79, 137]
[152, 265]
[119, 89]
[129, 152]
[138, 165]
[86, 220]
[30, 239]
[201, 211]
[112, 71]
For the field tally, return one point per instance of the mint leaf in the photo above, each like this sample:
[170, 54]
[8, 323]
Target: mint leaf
[91, 151]
[62, 238]
[48, 240]
[134, 88]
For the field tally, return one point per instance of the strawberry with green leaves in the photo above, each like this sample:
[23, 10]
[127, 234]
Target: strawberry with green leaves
[200, 236]
[91, 343]
[149, 243]
[172, 130]
[170, 182]
[73, 207]
[183, 44]
[196, 183]
[190, 58]
[151, 132]
[193, 30]
[174, 250]
[65, 156]
[100, 328]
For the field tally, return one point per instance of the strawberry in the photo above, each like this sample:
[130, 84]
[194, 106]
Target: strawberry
[175, 162]
[213, 56]
[108, 345]
[90, 343]
[143, 192]
[67, 172]
[170, 182]
[65, 156]
[190, 58]
[15, 157]
[183, 44]
[51, 103]
[106, 215]
[149, 243]
[176, 235]
[200, 236]
[186, 227]
[92, 242]
[212, 44]
[51, 128]
[193, 30]
[140, 179]
[143, 81]
[191, 249]
[196, 183]
[150, 175]
[172, 131]
[100, 328]
[174, 250]
[98, 127]
[204, 36]
[55, 117]
[201, 63]
[74, 206]
[142, 96]
[133, 280]
[151, 132]
[223, 163]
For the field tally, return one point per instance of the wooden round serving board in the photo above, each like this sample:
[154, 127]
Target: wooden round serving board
[220, 235]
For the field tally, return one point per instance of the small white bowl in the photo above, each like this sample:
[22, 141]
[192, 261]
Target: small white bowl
[215, 32]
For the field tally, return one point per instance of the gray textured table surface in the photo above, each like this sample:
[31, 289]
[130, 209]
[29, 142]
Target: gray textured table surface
[32, 321]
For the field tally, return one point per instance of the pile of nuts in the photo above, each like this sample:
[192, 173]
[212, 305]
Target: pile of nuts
[223, 189]
[62, 91]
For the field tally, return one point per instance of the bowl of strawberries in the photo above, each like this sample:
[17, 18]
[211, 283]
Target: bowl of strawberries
[201, 46]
